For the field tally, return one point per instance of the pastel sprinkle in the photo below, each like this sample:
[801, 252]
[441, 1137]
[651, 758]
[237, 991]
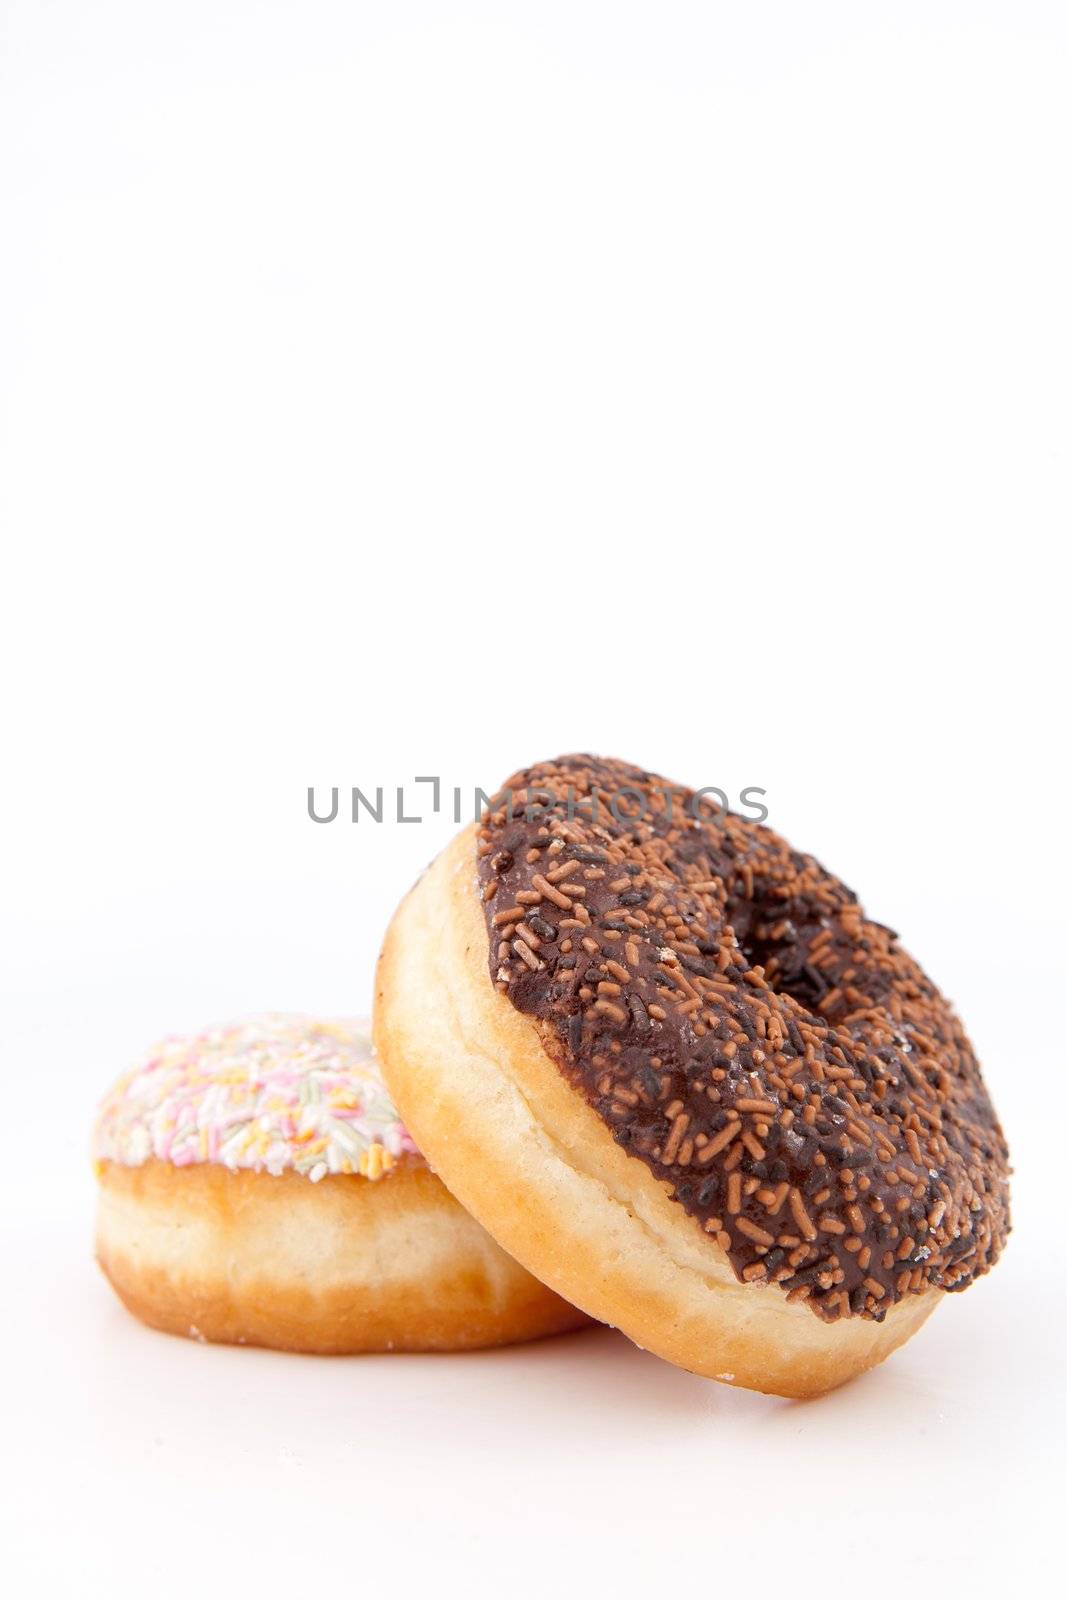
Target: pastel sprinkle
[269, 1094]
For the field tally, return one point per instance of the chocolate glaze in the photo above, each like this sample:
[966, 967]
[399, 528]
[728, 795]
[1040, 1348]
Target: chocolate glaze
[773, 1056]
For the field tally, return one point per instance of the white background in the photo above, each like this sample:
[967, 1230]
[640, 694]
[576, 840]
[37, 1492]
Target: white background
[395, 389]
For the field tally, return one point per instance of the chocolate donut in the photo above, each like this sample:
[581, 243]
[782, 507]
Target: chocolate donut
[724, 1021]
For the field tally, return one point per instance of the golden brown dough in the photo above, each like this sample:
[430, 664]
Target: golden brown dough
[339, 1267]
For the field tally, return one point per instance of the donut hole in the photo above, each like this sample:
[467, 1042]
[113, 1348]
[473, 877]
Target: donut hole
[801, 982]
[784, 959]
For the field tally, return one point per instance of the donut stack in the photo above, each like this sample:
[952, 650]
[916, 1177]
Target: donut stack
[637, 1060]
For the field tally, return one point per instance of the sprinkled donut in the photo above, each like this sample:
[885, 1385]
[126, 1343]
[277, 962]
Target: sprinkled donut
[744, 1126]
[258, 1187]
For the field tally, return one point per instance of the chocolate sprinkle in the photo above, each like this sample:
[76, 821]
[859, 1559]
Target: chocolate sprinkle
[722, 1003]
